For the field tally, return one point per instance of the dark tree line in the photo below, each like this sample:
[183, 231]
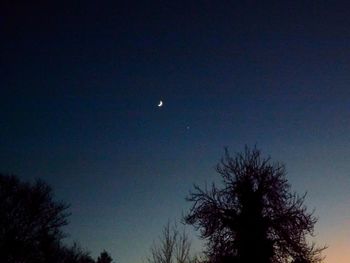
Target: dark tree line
[253, 216]
[31, 225]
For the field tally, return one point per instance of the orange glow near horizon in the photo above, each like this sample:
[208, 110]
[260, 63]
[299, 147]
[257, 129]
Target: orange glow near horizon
[337, 239]
[338, 252]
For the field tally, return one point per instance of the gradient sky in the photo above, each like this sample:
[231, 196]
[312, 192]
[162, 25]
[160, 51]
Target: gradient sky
[80, 83]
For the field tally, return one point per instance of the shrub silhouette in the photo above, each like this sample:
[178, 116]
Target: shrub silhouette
[104, 258]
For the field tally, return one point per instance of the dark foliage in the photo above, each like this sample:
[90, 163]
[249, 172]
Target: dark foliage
[253, 217]
[104, 258]
[30, 221]
[30, 225]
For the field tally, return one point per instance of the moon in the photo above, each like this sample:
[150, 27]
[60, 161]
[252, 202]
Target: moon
[160, 104]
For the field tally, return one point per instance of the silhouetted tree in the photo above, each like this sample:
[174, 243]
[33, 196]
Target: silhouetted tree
[30, 220]
[253, 217]
[173, 246]
[30, 225]
[104, 258]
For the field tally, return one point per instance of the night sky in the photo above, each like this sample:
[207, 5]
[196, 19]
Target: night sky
[80, 82]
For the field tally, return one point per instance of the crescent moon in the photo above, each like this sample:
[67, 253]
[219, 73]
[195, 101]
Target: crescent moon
[160, 103]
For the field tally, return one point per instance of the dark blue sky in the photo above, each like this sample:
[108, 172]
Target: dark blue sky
[80, 83]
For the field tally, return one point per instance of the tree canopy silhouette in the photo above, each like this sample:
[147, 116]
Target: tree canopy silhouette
[30, 221]
[254, 216]
[30, 225]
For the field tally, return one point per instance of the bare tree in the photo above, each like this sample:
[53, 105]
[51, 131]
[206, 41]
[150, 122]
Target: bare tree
[253, 217]
[173, 246]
